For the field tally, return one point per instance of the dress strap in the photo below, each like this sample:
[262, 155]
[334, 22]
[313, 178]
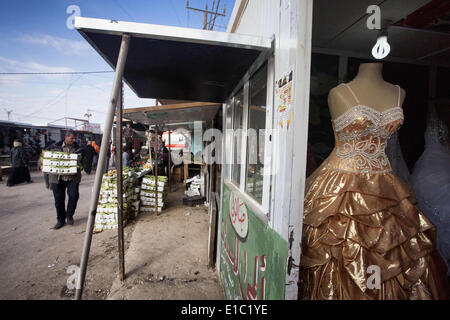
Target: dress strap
[399, 95]
[353, 93]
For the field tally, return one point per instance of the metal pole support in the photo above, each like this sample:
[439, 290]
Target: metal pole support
[101, 163]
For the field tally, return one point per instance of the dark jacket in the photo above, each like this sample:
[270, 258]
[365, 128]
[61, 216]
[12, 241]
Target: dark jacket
[89, 152]
[60, 146]
[18, 157]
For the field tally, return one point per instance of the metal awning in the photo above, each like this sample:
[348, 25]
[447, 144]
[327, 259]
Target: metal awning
[174, 113]
[175, 63]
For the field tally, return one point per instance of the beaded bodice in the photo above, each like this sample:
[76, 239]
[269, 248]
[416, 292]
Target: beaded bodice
[361, 135]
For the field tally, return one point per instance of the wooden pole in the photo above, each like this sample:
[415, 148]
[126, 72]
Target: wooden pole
[205, 17]
[149, 146]
[212, 229]
[213, 165]
[186, 169]
[156, 170]
[120, 186]
[169, 173]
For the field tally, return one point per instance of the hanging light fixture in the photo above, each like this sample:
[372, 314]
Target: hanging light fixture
[382, 48]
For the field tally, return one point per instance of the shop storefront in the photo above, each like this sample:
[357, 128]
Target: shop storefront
[329, 42]
[272, 72]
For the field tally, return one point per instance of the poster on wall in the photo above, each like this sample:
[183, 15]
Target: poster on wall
[284, 92]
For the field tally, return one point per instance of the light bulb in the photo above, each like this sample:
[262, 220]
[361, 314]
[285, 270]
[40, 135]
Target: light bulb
[382, 48]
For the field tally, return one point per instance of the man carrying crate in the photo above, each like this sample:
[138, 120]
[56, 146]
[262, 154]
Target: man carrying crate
[60, 180]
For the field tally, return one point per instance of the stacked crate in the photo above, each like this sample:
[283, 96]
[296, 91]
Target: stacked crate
[149, 188]
[61, 163]
[106, 217]
[131, 187]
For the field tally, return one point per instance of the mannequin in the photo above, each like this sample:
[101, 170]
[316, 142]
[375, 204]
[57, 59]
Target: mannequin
[370, 88]
[358, 213]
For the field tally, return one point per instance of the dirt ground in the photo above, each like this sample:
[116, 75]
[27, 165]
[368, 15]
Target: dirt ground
[166, 255]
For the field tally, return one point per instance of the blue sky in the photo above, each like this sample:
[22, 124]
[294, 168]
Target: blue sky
[35, 38]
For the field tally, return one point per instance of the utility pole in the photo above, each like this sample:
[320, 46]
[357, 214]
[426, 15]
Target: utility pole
[205, 17]
[8, 112]
[208, 24]
[88, 115]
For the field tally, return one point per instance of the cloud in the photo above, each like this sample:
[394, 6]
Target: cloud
[43, 98]
[10, 65]
[18, 81]
[63, 45]
[35, 104]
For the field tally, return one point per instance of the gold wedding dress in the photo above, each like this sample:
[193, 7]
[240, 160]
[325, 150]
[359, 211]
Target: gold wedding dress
[358, 215]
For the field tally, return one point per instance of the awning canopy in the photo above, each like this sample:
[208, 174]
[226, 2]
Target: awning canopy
[175, 63]
[174, 113]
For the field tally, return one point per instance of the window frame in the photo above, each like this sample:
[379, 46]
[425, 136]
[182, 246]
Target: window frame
[265, 205]
[232, 137]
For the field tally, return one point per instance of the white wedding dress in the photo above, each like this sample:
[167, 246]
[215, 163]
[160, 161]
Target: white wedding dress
[395, 156]
[430, 180]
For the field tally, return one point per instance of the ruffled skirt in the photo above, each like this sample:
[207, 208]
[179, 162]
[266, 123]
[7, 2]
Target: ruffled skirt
[364, 238]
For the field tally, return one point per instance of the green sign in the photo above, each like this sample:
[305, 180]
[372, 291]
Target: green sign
[253, 256]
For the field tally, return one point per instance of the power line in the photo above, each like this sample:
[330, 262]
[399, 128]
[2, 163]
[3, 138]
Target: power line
[123, 9]
[97, 111]
[213, 18]
[216, 14]
[207, 19]
[56, 99]
[176, 13]
[53, 73]
[36, 117]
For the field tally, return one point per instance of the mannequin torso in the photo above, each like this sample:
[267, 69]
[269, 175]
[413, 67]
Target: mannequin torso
[356, 211]
[371, 90]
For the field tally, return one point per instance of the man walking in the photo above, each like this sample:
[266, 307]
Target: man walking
[96, 153]
[128, 133]
[60, 183]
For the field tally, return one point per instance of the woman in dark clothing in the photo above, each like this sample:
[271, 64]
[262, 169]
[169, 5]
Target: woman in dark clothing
[89, 152]
[19, 171]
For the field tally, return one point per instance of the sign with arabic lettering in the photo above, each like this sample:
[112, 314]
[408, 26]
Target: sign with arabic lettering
[251, 267]
[238, 216]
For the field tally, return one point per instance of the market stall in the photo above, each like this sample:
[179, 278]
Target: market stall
[175, 118]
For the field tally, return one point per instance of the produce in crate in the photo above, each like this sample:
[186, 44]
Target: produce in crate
[58, 162]
[106, 217]
[149, 190]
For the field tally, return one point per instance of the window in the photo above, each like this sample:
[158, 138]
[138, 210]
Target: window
[256, 134]
[238, 111]
[249, 145]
